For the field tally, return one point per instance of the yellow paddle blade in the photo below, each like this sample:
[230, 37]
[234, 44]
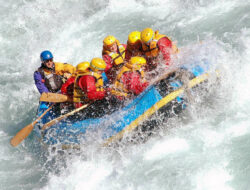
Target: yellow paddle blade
[24, 133]
[21, 135]
[53, 97]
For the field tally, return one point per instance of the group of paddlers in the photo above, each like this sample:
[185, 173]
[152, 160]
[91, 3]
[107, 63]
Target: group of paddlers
[118, 75]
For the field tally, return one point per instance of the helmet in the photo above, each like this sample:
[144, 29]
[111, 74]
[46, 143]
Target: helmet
[45, 55]
[147, 35]
[134, 36]
[97, 64]
[136, 62]
[109, 40]
[82, 67]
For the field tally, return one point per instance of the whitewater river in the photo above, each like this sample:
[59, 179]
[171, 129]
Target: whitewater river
[208, 149]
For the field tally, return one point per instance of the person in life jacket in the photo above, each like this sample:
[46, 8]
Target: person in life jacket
[134, 45]
[88, 85]
[113, 54]
[130, 81]
[154, 45]
[50, 76]
[68, 86]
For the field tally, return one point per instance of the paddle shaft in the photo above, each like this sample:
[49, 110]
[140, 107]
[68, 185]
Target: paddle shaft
[52, 122]
[164, 101]
[43, 114]
[24, 132]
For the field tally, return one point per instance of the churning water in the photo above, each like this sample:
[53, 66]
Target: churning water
[207, 150]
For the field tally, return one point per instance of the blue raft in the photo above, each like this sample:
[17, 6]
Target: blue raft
[160, 98]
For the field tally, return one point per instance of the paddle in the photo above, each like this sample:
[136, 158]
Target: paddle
[24, 133]
[164, 101]
[52, 122]
[53, 97]
[58, 98]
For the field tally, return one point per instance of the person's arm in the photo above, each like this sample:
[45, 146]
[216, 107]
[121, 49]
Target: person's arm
[132, 82]
[165, 47]
[61, 68]
[108, 62]
[87, 84]
[39, 82]
[67, 87]
[105, 79]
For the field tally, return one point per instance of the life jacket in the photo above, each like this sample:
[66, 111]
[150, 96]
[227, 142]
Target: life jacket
[51, 80]
[119, 89]
[79, 94]
[117, 58]
[152, 50]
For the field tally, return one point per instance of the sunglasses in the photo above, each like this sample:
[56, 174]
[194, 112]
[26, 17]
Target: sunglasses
[48, 60]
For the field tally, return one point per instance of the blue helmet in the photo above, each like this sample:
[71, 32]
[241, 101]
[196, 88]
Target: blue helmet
[45, 55]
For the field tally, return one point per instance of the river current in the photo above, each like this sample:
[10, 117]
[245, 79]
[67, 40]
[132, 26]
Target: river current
[207, 150]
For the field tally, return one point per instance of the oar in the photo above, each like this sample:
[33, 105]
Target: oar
[52, 122]
[24, 133]
[58, 98]
[157, 106]
[53, 97]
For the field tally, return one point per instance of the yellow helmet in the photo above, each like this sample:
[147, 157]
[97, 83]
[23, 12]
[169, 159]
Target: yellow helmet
[134, 36]
[82, 67]
[109, 40]
[97, 64]
[136, 62]
[147, 35]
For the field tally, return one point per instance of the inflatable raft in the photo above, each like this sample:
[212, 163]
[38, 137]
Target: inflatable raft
[161, 100]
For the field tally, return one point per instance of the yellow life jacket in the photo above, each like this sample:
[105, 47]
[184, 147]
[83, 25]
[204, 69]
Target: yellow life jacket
[61, 68]
[79, 95]
[152, 50]
[117, 58]
[118, 89]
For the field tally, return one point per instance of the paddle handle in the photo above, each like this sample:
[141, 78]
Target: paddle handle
[54, 121]
[24, 132]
